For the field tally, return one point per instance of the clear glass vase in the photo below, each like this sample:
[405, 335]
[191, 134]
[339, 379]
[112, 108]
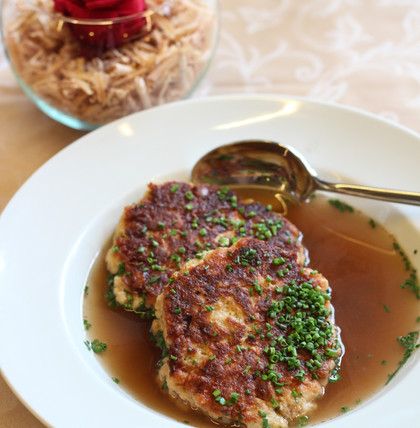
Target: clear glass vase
[87, 72]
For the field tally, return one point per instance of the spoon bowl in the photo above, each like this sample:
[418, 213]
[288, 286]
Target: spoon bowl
[261, 164]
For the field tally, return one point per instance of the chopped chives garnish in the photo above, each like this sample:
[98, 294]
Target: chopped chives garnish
[234, 396]
[303, 421]
[386, 308]
[224, 241]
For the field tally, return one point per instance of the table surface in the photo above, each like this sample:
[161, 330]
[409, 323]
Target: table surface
[360, 53]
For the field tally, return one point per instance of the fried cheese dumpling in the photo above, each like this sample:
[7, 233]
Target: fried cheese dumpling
[175, 222]
[247, 335]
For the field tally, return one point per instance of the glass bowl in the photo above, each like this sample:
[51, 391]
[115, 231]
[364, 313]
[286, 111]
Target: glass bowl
[80, 75]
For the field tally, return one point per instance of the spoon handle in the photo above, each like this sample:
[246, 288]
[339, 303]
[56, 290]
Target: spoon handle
[399, 196]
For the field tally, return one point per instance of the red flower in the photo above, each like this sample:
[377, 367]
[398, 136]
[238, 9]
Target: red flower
[94, 39]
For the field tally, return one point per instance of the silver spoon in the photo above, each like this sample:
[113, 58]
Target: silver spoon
[273, 166]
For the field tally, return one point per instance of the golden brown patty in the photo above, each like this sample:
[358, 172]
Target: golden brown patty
[176, 222]
[247, 334]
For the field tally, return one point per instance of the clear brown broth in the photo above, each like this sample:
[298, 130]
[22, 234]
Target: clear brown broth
[371, 309]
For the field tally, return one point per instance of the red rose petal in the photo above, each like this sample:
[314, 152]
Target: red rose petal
[96, 38]
[102, 4]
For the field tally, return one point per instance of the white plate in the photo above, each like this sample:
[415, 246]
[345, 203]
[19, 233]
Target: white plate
[59, 220]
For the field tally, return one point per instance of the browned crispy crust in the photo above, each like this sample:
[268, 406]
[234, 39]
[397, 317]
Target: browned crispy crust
[175, 222]
[215, 319]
